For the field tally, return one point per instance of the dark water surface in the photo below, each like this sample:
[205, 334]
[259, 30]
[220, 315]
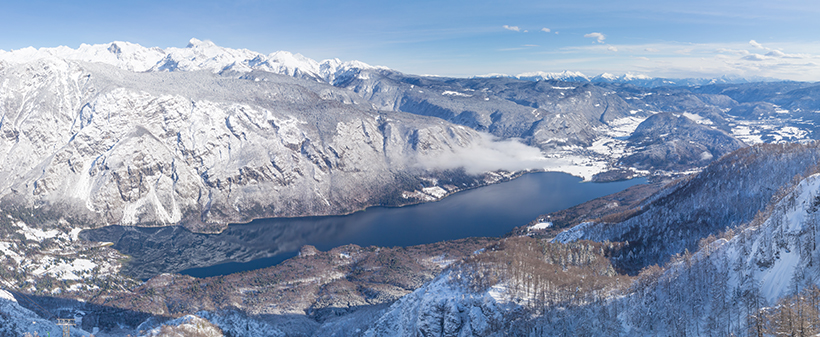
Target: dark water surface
[486, 211]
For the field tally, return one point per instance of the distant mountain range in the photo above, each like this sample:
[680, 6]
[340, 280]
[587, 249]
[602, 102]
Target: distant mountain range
[634, 79]
[197, 55]
[205, 55]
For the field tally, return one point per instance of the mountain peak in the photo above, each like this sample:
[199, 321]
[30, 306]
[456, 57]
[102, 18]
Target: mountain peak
[114, 48]
[492, 75]
[566, 75]
[607, 76]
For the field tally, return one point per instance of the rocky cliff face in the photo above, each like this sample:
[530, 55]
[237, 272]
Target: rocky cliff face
[104, 146]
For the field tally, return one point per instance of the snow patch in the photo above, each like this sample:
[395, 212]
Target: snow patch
[774, 282]
[698, 119]
[435, 191]
[540, 225]
[5, 248]
[426, 194]
[74, 234]
[36, 234]
[623, 127]
[64, 270]
[455, 93]
[706, 155]
[5, 295]
[572, 234]
[500, 292]
[790, 132]
[745, 134]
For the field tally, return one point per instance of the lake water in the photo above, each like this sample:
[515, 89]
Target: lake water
[486, 211]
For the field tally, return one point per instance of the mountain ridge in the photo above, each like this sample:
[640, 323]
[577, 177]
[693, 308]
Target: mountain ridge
[197, 55]
[206, 55]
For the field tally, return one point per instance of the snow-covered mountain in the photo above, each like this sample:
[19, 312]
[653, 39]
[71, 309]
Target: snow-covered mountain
[106, 145]
[564, 76]
[639, 80]
[197, 55]
[206, 55]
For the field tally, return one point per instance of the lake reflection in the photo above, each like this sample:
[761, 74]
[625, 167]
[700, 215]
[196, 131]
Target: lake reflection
[487, 211]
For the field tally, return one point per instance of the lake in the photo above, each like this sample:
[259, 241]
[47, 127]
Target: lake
[491, 210]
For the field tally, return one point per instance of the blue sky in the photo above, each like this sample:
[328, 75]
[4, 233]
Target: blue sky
[458, 38]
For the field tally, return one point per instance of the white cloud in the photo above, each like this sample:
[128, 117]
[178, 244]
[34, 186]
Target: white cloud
[776, 53]
[757, 45]
[755, 57]
[512, 28]
[773, 53]
[488, 154]
[642, 58]
[780, 54]
[652, 50]
[546, 30]
[598, 36]
[733, 51]
[612, 48]
[530, 45]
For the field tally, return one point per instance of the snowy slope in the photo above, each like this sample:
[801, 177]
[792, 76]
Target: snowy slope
[16, 320]
[731, 278]
[444, 307]
[727, 193]
[779, 253]
[188, 325]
